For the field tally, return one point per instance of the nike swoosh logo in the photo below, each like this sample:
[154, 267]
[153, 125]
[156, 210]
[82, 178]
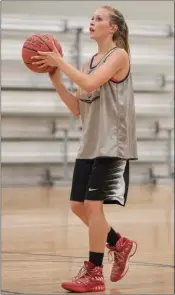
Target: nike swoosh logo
[93, 189]
[89, 100]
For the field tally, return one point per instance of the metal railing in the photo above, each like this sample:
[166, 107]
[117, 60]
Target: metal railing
[153, 177]
[14, 26]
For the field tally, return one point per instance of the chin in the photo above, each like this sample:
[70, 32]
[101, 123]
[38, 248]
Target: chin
[92, 37]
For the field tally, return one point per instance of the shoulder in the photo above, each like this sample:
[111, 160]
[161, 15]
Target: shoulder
[117, 61]
[119, 55]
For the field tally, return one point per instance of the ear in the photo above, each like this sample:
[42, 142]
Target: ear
[114, 28]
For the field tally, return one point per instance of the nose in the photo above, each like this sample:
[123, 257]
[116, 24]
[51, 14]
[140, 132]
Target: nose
[92, 23]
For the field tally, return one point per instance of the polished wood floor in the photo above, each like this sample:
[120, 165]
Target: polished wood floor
[43, 243]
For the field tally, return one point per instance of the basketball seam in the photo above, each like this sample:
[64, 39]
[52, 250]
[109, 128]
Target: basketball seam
[30, 49]
[28, 63]
[37, 50]
[44, 42]
[39, 38]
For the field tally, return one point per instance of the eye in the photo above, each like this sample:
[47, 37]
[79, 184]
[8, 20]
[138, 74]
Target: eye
[99, 18]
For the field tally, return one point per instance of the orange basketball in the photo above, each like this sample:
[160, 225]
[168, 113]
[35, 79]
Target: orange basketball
[39, 43]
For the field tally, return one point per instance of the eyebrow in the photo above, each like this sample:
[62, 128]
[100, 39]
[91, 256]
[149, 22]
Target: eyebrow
[96, 15]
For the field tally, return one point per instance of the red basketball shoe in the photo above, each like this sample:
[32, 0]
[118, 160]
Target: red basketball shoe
[89, 279]
[123, 250]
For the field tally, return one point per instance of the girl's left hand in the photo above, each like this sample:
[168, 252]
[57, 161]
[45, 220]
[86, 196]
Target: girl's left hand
[47, 58]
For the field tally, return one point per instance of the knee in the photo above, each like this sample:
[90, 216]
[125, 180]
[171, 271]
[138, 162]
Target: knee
[77, 207]
[93, 208]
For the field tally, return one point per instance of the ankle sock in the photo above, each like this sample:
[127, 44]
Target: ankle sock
[96, 258]
[112, 237]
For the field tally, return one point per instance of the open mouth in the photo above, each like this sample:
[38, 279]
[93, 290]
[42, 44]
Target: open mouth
[91, 30]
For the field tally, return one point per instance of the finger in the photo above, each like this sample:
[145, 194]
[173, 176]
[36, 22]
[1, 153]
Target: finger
[54, 47]
[42, 66]
[40, 62]
[37, 57]
[43, 53]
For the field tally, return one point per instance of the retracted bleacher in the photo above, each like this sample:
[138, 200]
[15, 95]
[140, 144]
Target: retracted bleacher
[40, 137]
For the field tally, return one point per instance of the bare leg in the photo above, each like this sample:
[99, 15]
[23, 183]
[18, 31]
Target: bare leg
[98, 226]
[79, 210]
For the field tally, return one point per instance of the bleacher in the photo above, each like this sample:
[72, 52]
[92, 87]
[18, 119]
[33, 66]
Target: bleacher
[40, 137]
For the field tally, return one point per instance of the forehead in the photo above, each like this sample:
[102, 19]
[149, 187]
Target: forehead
[102, 12]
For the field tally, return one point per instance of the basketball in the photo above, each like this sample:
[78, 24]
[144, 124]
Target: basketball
[39, 43]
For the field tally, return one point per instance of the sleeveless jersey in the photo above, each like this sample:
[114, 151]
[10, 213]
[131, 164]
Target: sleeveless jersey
[108, 118]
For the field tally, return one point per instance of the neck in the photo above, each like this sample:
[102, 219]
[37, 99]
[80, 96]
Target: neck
[104, 46]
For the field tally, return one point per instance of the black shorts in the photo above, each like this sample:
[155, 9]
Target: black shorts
[101, 179]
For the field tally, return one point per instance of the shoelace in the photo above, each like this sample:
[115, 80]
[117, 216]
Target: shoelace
[115, 256]
[118, 260]
[83, 276]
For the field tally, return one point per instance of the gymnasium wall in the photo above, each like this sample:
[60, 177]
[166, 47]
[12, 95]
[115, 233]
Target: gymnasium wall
[37, 147]
[133, 10]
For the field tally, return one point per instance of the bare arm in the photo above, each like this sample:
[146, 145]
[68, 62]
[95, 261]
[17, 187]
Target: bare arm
[70, 100]
[117, 61]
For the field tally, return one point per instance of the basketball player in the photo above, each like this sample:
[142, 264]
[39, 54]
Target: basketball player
[106, 104]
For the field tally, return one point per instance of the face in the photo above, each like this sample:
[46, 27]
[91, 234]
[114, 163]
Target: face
[100, 26]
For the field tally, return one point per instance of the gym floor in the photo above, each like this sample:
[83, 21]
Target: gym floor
[43, 243]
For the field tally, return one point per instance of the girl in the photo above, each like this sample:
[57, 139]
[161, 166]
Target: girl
[101, 175]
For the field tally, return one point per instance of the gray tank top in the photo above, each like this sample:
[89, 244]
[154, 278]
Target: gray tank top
[108, 119]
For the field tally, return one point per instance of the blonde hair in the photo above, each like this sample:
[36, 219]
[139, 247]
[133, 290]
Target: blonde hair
[120, 37]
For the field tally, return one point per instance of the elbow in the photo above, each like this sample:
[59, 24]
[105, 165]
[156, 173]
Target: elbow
[89, 85]
[75, 111]
[76, 114]
[89, 88]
